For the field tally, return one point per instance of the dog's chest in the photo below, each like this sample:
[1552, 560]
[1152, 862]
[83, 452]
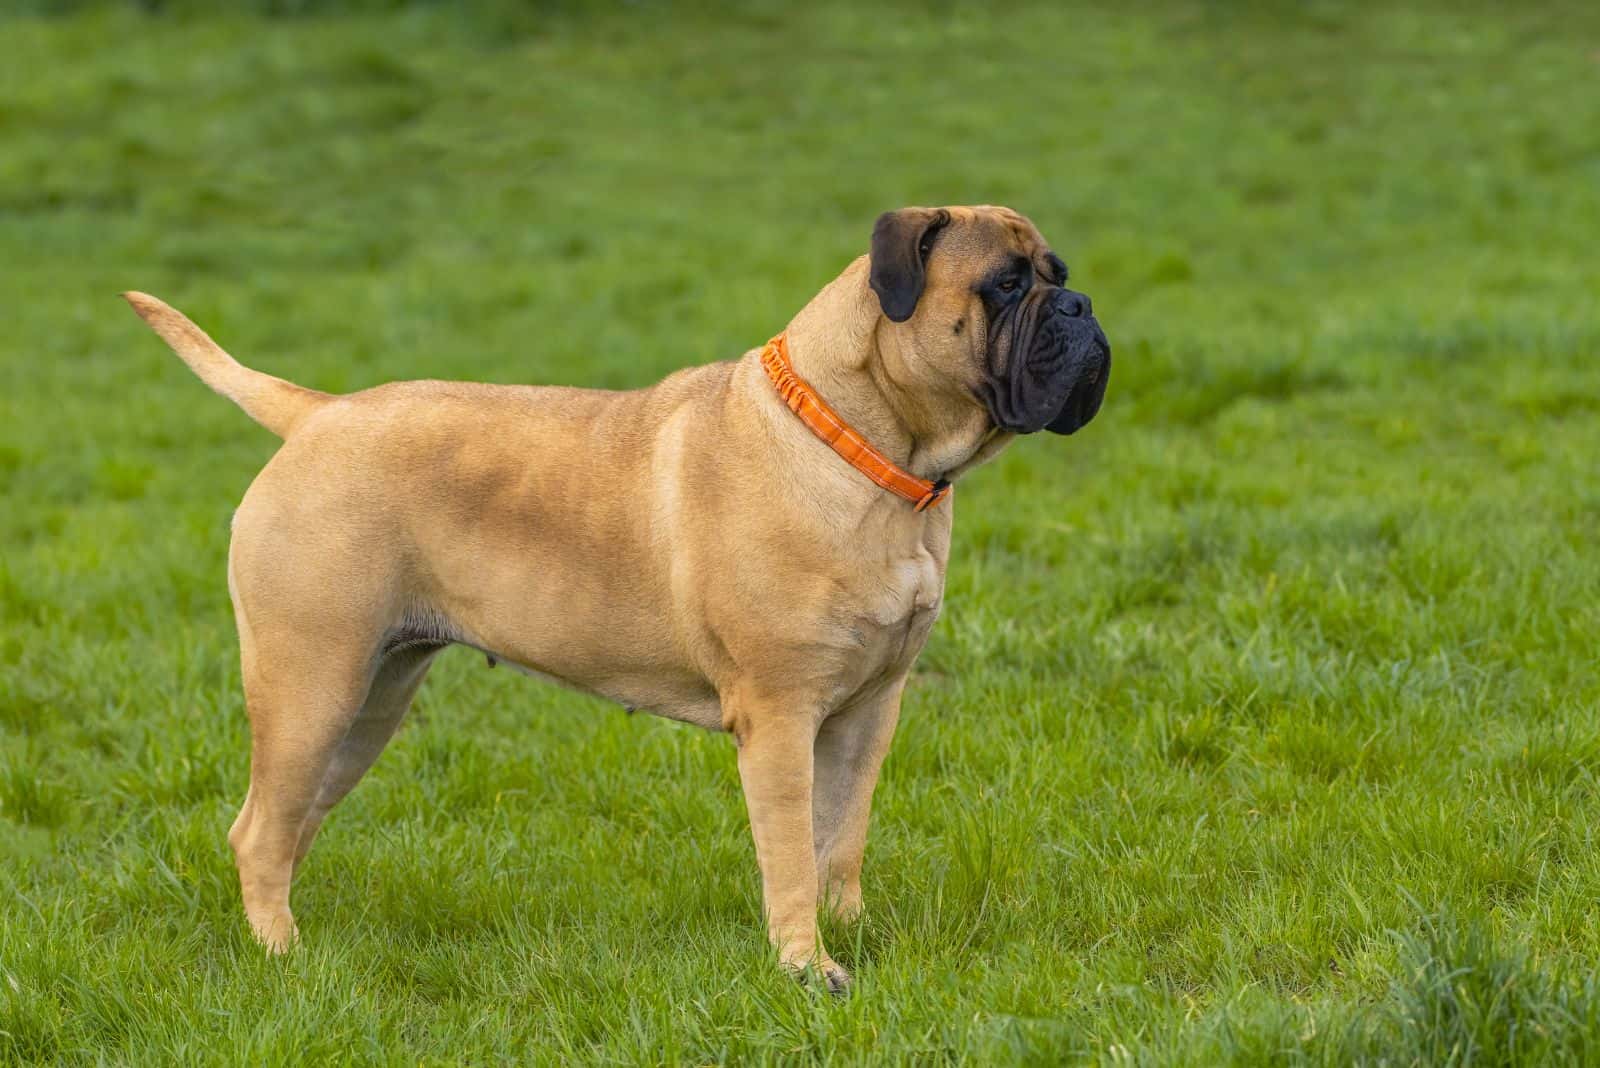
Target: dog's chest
[896, 609]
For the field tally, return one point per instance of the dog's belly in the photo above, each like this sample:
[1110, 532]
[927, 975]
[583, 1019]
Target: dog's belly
[687, 704]
[579, 630]
[604, 655]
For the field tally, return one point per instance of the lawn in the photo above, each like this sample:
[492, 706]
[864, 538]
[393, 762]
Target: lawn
[1263, 719]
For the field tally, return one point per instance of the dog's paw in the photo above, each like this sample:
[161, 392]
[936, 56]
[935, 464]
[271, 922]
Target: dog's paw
[822, 975]
[277, 935]
[842, 901]
[846, 910]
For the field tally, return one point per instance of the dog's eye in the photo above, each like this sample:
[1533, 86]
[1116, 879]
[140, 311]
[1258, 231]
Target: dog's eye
[1009, 285]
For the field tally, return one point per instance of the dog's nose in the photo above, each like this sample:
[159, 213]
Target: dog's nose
[1073, 304]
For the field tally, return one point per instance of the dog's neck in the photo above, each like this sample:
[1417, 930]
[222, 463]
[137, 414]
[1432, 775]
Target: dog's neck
[836, 344]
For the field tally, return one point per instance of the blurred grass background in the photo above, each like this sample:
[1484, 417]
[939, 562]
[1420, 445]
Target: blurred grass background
[1263, 722]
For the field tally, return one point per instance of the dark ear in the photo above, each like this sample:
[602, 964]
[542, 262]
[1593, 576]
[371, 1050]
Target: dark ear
[901, 241]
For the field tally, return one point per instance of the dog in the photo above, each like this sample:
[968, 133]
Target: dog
[755, 546]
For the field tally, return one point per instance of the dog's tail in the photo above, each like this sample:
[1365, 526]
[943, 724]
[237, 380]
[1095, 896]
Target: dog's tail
[272, 402]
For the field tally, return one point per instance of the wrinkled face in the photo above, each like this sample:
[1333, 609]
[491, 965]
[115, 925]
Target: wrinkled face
[981, 303]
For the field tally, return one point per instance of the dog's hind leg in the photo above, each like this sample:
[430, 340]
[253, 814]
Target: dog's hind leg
[393, 687]
[303, 699]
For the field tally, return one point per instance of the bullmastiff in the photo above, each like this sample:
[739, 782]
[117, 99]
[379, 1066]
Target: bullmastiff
[755, 546]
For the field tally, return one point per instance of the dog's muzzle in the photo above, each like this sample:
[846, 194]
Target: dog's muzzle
[1086, 366]
[1059, 370]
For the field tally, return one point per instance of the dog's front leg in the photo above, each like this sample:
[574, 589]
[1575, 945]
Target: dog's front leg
[775, 763]
[850, 748]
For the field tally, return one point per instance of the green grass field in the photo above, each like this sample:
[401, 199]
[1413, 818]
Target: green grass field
[1263, 720]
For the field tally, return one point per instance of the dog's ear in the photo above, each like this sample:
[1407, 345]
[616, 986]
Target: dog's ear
[901, 241]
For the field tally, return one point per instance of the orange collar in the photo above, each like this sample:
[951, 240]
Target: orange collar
[839, 436]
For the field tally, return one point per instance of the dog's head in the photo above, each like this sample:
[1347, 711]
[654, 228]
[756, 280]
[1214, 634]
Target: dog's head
[977, 298]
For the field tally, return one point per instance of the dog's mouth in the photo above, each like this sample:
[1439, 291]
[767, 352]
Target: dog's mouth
[1057, 368]
[1088, 373]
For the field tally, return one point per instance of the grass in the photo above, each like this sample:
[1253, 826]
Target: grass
[1263, 722]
